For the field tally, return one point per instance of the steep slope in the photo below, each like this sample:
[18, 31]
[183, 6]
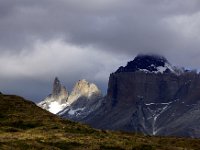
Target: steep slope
[23, 125]
[142, 97]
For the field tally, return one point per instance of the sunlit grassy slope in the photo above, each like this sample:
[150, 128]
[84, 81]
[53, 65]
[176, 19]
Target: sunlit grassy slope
[23, 125]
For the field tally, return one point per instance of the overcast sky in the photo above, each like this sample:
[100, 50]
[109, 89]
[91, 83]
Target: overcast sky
[76, 39]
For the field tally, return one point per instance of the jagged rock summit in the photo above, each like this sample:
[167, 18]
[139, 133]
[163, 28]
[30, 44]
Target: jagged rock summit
[60, 102]
[58, 89]
[148, 63]
[83, 89]
[59, 92]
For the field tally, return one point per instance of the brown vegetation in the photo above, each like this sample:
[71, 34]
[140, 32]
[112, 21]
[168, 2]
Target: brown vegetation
[23, 125]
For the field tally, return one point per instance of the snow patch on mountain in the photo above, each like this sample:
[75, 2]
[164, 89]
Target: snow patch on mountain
[55, 107]
[160, 69]
[157, 110]
[74, 111]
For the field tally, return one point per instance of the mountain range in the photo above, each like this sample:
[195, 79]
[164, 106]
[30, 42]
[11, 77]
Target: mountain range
[148, 95]
[84, 99]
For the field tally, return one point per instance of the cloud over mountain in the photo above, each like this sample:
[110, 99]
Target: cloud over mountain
[89, 39]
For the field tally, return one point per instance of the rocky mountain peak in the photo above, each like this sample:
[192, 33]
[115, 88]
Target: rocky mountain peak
[58, 89]
[148, 63]
[84, 86]
[83, 89]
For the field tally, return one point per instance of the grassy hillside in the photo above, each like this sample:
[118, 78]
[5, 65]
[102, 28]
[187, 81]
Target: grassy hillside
[23, 125]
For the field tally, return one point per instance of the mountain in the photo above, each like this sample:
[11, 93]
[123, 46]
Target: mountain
[24, 125]
[151, 96]
[148, 95]
[84, 99]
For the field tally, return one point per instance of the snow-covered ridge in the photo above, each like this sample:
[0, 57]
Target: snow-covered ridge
[150, 64]
[160, 69]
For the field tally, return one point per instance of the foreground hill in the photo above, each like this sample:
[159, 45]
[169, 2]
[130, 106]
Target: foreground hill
[23, 125]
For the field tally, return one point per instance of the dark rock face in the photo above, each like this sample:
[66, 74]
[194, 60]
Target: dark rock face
[154, 88]
[151, 103]
[58, 89]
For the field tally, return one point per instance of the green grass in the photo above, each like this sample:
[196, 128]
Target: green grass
[23, 125]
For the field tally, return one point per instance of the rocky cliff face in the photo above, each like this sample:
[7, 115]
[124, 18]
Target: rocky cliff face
[153, 97]
[154, 88]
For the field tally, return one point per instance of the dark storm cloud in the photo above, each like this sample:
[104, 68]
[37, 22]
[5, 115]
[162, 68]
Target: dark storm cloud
[130, 25]
[74, 39]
